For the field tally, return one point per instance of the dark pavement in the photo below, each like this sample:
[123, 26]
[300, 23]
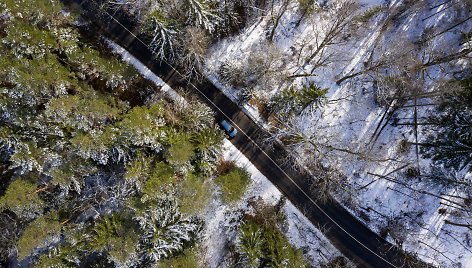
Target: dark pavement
[351, 237]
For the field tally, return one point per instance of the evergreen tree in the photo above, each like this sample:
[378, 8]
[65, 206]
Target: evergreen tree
[40, 232]
[165, 232]
[251, 243]
[21, 198]
[117, 236]
[200, 13]
[163, 34]
[262, 244]
[292, 101]
[85, 172]
[451, 143]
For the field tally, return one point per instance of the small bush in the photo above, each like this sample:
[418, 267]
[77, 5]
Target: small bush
[188, 259]
[233, 184]
[194, 194]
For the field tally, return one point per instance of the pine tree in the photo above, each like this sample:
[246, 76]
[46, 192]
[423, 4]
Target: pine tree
[451, 144]
[21, 198]
[142, 127]
[262, 244]
[200, 13]
[293, 101]
[163, 34]
[165, 232]
[161, 181]
[250, 244]
[40, 232]
[117, 236]
[208, 144]
[180, 150]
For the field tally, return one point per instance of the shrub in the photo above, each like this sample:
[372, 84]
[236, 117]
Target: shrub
[194, 194]
[188, 259]
[233, 184]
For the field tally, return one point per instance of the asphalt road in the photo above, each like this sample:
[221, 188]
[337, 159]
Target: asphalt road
[350, 236]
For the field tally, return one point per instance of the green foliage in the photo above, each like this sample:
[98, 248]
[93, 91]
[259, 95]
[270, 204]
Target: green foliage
[307, 6]
[46, 261]
[28, 157]
[21, 198]
[311, 95]
[181, 149]
[38, 232]
[139, 169]
[163, 33]
[194, 194]
[161, 180]
[207, 140]
[233, 185]
[95, 146]
[141, 126]
[197, 116]
[293, 101]
[261, 244]
[165, 232]
[251, 243]
[65, 130]
[208, 143]
[38, 12]
[89, 63]
[117, 236]
[94, 111]
[187, 259]
[69, 171]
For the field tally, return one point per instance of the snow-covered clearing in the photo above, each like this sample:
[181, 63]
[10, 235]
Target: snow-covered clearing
[376, 158]
[221, 219]
[221, 225]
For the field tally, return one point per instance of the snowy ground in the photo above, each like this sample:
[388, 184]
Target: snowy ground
[144, 71]
[221, 219]
[351, 116]
[221, 227]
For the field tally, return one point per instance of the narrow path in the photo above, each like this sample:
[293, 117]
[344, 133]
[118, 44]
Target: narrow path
[349, 235]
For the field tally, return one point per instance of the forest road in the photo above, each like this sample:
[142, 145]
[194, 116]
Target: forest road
[352, 238]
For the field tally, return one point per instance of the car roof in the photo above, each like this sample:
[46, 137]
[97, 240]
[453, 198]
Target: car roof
[225, 124]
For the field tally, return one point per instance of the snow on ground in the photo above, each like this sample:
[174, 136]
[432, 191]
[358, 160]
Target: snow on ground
[221, 219]
[352, 115]
[144, 71]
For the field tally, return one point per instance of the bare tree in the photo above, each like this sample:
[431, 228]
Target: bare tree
[264, 69]
[336, 22]
[192, 49]
[276, 15]
[397, 57]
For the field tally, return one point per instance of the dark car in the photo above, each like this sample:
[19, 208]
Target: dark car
[228, 128]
